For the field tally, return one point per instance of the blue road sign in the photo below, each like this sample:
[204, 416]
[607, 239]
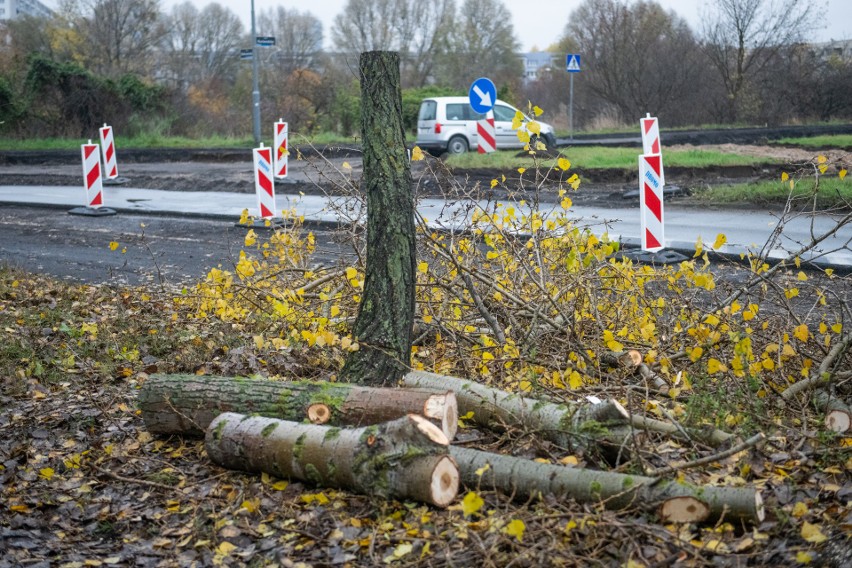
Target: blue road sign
[264, 41]
[483, 95]
[572, 62]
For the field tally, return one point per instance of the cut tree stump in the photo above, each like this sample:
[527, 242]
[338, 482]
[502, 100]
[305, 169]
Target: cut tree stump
[838, 415]
[404, 459]
[673, 501]
[186, 404]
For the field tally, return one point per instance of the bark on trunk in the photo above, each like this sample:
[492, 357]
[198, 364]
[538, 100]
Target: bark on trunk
[186, 404]
[386, 314]
[673, 501]
[404, 459]
[571, 427]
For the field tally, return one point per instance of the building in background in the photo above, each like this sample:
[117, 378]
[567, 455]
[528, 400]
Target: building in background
[12, 9]
[535, 62]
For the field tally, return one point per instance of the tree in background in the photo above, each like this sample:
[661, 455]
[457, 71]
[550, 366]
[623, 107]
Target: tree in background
[638, 57]
[742, 37]
[418, 30]
[481, 42]
[119, 35]
[298, 38]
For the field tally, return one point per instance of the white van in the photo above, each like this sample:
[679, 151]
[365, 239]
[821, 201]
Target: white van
[448, 124]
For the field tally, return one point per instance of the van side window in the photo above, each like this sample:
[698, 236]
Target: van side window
[504, 113]
[456, 111]
[471, 114]
[427, 110]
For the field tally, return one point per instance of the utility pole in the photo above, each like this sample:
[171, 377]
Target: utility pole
[255, 93]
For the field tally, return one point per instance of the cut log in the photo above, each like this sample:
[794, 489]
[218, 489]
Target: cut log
[186, 404]
[569, 426]
[673, 501]
[838, 415]
[630, 359]
[405, 459]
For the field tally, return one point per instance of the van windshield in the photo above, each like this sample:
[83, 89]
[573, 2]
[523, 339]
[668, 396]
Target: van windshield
[427, 110]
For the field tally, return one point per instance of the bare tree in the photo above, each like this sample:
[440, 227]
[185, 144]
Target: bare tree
[638, 57]
[417, 30]
[120, 34]
[298, 38]
[741, 37]
[482, 42]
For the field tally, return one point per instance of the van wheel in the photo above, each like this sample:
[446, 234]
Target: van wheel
[457, 145]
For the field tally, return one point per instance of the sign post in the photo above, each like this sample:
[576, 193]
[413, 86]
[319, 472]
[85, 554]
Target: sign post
[281, 152]
[572, 64]
[651, 202]
[255, 89]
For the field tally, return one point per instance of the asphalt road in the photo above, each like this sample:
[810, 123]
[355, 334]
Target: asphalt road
[168, 249]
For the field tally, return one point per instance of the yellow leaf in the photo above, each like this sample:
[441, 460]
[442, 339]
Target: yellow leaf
[802, 276]
[225, 548]
[398, 552]
[516, 529]
[351, 273]
[842, 173]
[803, 557]
[493, 183]
[113, 245]
[347, 166]
[721, 239]
[784, 176]
[575, 381]
[822, 168]
[471, 503]
[801, 333]
[483, 469]
[563, 163]
[244, 217]
[517, 120]
[521, 170]
[566, 203]
[251, 238]
[258, 341]
[821, 159]
[280, 485]
[416, 154]
[423, 267]
[251, 505]
[715, 366]
[46, 473]
[800, 510]
[812, 533]
[696, 354]
[534, 127]
[537, 111]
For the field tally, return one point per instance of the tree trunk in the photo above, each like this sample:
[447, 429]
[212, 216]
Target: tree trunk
[674, 501]
[386, 314]
[186, 404]
[838, 415]
[405, 459]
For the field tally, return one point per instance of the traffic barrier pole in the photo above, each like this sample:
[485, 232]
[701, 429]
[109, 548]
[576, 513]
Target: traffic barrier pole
[651, 202]
[92, 180]
[487, 134]
[281, 151]
[651, 140]
[108, 146]
[264, 181]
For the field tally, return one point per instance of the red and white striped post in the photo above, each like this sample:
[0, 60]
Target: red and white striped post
[108, 146]
[486, 134]
[281, 152]
[264, 181]
[651, 202]
[651, 139]
[92, 180]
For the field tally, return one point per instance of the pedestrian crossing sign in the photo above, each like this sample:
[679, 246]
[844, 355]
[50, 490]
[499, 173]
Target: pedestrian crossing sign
[572, 62]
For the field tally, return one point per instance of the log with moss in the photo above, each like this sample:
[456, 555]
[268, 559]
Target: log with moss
[404, 459]
[186, 404]
[674, 501]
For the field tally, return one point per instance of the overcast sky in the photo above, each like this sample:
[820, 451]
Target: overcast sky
[538, 23]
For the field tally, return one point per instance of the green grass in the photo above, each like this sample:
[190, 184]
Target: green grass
[832, 192]
[827, 141]
[598, 157]
[146, 141]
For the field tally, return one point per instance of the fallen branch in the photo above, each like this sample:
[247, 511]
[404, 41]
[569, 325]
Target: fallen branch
[674, 501]
[823, 374]
[569, 426]
[406, 458]
[186, 404]
[754, 440]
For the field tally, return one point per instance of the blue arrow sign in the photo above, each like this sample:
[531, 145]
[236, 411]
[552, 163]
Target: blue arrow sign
[572, 62]
[482, 95]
